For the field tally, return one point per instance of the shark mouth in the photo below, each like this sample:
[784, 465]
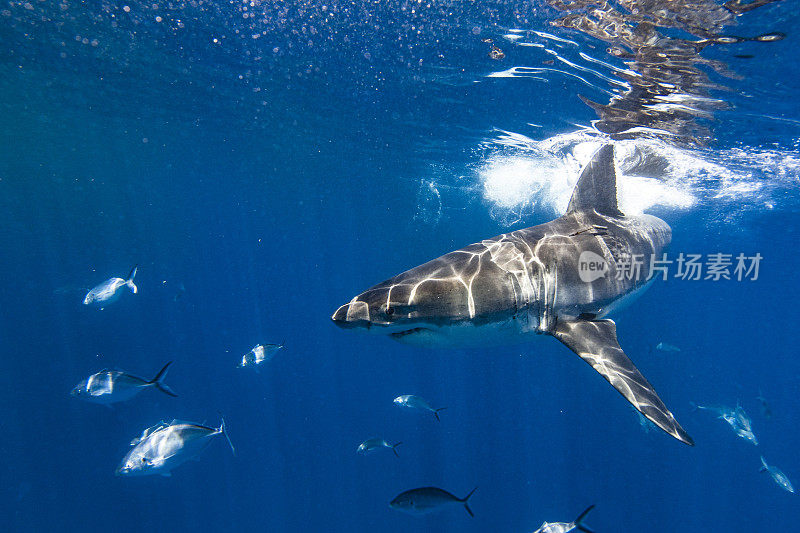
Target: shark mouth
[406, 332]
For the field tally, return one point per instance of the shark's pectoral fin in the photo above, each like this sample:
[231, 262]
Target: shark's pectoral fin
[596, 342]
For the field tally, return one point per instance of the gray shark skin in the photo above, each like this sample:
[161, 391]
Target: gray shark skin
[531, 281]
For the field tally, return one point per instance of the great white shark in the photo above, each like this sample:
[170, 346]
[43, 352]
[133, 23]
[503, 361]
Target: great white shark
[562, 278]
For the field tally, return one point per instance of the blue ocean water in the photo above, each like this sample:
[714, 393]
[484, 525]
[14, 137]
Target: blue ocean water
[263, 162]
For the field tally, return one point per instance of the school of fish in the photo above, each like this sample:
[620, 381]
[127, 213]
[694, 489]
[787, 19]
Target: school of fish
[166, 445]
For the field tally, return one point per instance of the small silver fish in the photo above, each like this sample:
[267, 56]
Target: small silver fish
[566, 527]
[164, 446]
[427, 499]
[743, 425]
[742, 418]
[737, 418]
[415, 402]
[664, 347]
[260, 353]
[112, 386]
[779, 477]
[106, 292]
[373, 444]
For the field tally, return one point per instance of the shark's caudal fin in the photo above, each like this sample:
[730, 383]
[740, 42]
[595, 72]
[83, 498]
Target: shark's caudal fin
[465, 501]
[764, 465]
[436, 413]
[129, 281]
[597, 187]
[578, 523]
[596, 343]
[158, 381]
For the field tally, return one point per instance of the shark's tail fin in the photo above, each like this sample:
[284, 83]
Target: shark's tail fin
[129, 281]
[695, 407]
[158, 381]
[222, 430]
[578, 521]
[394, 447]
[465, 501]
[436, 413]
[764, 466]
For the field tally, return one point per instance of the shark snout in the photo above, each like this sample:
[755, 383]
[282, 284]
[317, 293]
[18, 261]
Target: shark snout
[354, 314]
[370, 308]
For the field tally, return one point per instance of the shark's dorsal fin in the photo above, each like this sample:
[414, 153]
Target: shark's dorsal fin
[597, 187]
[595, 341]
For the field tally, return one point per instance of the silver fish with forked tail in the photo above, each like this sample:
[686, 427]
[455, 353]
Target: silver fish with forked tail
[373, 444]
[566, 527]
[112, 386]
[107, 292]
[164, 446]
[427, 499]
[261, 353]
[415, 402]
[737, 418]
[777, 475]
